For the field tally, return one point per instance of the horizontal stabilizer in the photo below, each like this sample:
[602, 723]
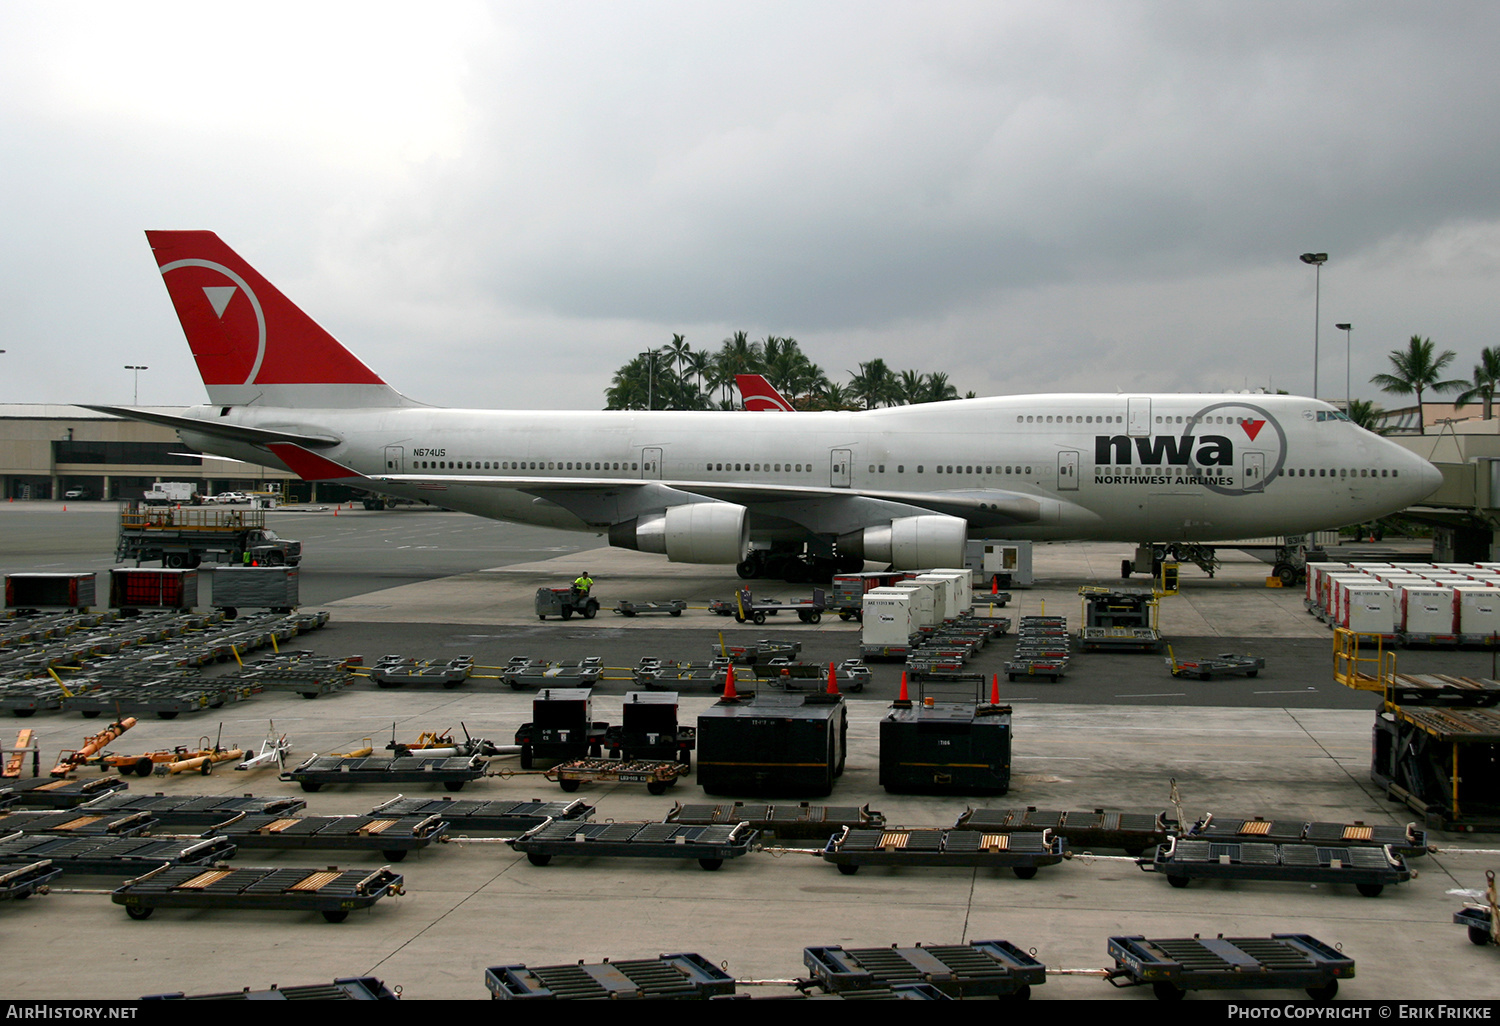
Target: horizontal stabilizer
[236, 432]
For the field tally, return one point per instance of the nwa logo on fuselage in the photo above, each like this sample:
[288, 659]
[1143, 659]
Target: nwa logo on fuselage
[1205, 459]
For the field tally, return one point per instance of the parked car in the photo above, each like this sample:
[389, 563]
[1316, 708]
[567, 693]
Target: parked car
[230, 498]
[77, 493]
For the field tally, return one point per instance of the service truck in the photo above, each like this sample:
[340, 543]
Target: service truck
[173, 493]
[187, 537]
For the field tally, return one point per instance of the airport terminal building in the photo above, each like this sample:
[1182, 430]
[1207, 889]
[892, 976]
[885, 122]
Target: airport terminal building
[67, 452]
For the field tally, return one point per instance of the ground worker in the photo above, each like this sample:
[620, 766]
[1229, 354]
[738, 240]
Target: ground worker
[582, 585]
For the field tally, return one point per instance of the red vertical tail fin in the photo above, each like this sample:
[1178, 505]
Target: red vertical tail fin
[252, 344]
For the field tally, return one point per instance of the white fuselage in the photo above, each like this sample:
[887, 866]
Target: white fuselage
[1076, 466]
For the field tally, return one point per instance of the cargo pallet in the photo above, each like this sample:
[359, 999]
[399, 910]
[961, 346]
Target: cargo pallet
[392, 837]
[993, 968]
[1034, 667]
[656, 774]
[487, 814]
[710, 845]
[24, 881]
[1130, 831]
[111, 854]
[348, 988]
[1022, 854]
[762, 651]
[672, 607]
[330, 892]
[1120, 639]
[1280, 962]
[1370, 870]
[189, 810]
[684, 976]
[452, 773]
[787, 822]
[394, 671]
[1208, 666]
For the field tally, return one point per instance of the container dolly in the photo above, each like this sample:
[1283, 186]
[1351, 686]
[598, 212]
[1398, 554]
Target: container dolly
[656, 774]
[1281, 961]
[1022, 854]
[685, 976]
[807, 610]
[1129, 831]
[488, 814]
[526, 672]
[349, 988]
[1369, 869]
[394, 671]
[710, 845]
[993, 968]
[392, 836]
[452, 773]
[672, 607]
[802, 821]
[24, 881]
[1226, 663]
[111, 855]
[330, 892]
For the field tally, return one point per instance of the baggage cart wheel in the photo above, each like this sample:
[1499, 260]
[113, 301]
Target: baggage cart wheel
[1024, 872]
[847, 869]
[143, 767]
[1177, 881]
[454, 785]
[845, 617]
[1021, 993]
[1251, 673]
[1012, 677]
[656, 787]
[526, 759]
[759, 617]
[568, 785]
[1325, 992]
[1370, 890]
[538, 859]
[394, 856]
[1479, 935]
[676, 612]
[207, 769]
[336, 916]
[23, 713]
[139, 911]
[311, 786]
[1165, 991]
[710, 864]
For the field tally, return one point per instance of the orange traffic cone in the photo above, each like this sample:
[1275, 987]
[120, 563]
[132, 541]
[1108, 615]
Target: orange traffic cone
[995, 690]
[995, 585]
[903, 697]
[833, 681]
[730, 695]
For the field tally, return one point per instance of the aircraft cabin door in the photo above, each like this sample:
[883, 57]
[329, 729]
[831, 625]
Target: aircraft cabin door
[1138, 416]
[839, 470]
[1067, 471]
[395, 459]
[651, 464]
[1255, 472]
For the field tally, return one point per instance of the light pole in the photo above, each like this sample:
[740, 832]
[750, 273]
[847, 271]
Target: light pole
[1346, 329]
[137, 368]
[1317, 260]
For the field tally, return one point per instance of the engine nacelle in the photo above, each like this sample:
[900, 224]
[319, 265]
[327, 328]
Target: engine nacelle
[696, 532]
[911, 543]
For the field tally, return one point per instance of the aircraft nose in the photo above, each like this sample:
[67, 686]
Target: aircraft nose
[1428, 479]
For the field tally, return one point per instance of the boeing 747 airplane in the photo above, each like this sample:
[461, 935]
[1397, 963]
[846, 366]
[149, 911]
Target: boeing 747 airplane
[905, 485]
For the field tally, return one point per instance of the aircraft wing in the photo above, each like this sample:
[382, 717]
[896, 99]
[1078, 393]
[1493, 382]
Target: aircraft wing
[822, 509]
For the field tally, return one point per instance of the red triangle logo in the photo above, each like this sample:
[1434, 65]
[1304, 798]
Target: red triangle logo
[1252, 427]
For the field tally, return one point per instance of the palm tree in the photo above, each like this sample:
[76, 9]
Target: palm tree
[875, 385]
[1416, 370]
[677, 352]
[1486, 382]
[1366, 414]
[738, 355]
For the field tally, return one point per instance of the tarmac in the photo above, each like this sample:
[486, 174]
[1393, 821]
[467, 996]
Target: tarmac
[1114, 735]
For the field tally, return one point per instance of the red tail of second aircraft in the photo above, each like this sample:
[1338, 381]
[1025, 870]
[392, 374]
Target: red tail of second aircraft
[252, 344]
[760, 396]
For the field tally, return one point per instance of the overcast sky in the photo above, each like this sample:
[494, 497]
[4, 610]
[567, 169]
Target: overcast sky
[499, 204]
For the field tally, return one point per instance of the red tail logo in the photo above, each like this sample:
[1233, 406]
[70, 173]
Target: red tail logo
[1252, 427]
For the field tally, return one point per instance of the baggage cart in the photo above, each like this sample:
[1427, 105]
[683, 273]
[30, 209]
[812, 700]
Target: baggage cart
[31, 592]
[654, 673]
[1409, 841]
[684, 976]
[1283, 961]
[190, 811]
[331, 893]
[391, 836]
[351, 988]
[993, 968]
[1035, 667]
[52, 793]
[110, 855]
[710, 845]
[807, 610]
[1083, 831]
[762, 651]
[76, 823]
[1022, 854]
[394, 671]
[851, 675]
[525, 672]
[24, 881]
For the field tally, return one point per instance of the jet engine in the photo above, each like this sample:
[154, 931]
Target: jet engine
[911, 543]
[696, 532]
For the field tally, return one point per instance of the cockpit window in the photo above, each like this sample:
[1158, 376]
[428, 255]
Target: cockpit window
[1331, 415]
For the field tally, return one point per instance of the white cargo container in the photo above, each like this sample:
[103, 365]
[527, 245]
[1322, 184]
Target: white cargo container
[1427, 612]
[1369, 610]
[1009, 561]
[1478, 612]
[1315, 583]
[924, 610]
[889, 623]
